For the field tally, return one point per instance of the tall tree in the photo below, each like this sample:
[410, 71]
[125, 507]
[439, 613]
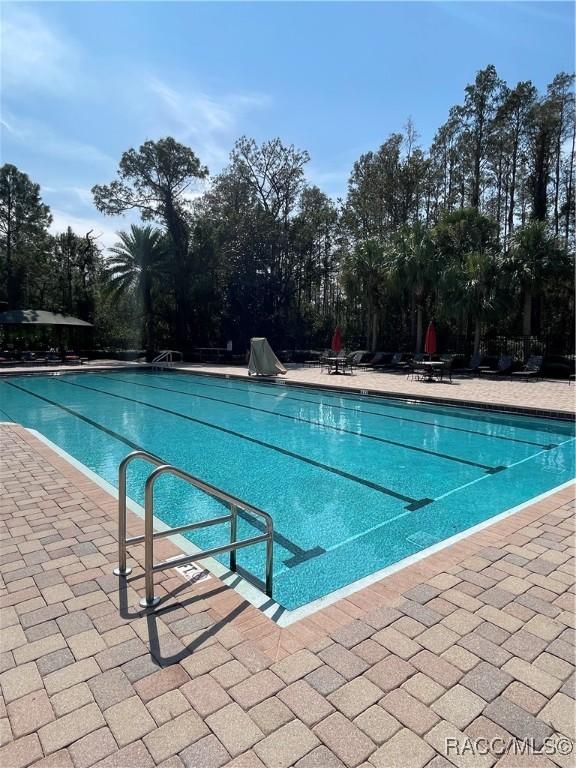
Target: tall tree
[470, 286]
[415, 266]
[138, 266]
[314, 235]
[24, 221]
[512, 119]
[540, 157]
[478, 112]
[533, 259]
[467, 241]
[364, 277]
[560, 97]
[385, 188]
[68, 279]
[155, 180]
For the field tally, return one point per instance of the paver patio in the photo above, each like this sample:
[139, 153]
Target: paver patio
[476, 641]
[549, 394]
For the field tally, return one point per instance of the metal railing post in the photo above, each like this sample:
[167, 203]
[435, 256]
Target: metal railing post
[149, 601]
[233, 535]
[269, 556]
[122, 570]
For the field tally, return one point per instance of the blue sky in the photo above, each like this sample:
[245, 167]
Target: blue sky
[83, 81]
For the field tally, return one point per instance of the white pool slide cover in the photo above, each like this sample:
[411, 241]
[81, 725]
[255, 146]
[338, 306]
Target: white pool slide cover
[263, 361]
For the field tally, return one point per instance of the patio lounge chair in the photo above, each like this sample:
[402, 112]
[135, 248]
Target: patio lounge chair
[398, 362]
[473, 365]
[371, 359]
[30, 358]
[354, 359]
[532, 369]
[504, 366]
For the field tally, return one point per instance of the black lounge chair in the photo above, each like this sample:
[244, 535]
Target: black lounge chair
[383, 360]
[399, 361]
[473, 365]
[374, 360]
[532, 369]
[354, 359]
[505, 364]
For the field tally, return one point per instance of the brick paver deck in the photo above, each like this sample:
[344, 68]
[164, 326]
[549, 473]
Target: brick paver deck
[474, 642]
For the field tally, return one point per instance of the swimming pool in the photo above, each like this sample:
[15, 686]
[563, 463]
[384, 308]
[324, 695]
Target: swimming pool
[354, 484]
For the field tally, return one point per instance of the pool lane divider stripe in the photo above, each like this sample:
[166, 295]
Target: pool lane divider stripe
[412, 502]
[253, 385]
[489, 469]
[80, 416]
[299, 554]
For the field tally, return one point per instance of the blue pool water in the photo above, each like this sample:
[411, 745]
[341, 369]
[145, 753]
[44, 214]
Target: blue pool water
[354, 484]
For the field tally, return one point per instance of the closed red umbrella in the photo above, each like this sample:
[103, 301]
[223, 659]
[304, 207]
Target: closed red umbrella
[430, 342]
[337, 341]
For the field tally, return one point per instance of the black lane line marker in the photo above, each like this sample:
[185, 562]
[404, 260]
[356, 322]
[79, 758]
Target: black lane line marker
[489, 469]
[327, 468]
[545, 446]
[95, 424]
[300, 555]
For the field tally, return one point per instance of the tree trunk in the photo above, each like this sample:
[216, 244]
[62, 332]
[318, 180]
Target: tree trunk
[477, 329]
[527, 313]
[10, 286]
[541, 176]
[369, 325]
[419, 328]
[475, 196]
[148, 320]
[374, 331]
[179, 235]
[569, 191]
[512, 188]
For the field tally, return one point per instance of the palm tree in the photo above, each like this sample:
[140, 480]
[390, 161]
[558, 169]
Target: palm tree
[414, 268]
[137, 265]
[467, 242]
[471, 288]
[532, 258]
[364, 277]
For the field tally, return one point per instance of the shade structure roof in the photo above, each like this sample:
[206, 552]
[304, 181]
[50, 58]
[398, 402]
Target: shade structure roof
[39, 317]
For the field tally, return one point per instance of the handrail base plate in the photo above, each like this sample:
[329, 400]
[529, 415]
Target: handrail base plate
[143, 603]
[119, 572]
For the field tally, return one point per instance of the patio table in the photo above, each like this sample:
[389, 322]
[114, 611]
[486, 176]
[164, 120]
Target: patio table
[431, 368]
[335, 363]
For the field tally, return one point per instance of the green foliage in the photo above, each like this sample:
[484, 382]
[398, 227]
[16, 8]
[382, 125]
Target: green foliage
[137, 267]
[24, 220]
[155, 181]
[476, 231]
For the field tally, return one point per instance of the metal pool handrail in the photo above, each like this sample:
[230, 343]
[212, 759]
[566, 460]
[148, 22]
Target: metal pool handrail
[149, 601]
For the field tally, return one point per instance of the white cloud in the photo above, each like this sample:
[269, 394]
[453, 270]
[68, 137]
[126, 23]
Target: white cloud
[34, 56]
[209, 123]
[42, 140]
